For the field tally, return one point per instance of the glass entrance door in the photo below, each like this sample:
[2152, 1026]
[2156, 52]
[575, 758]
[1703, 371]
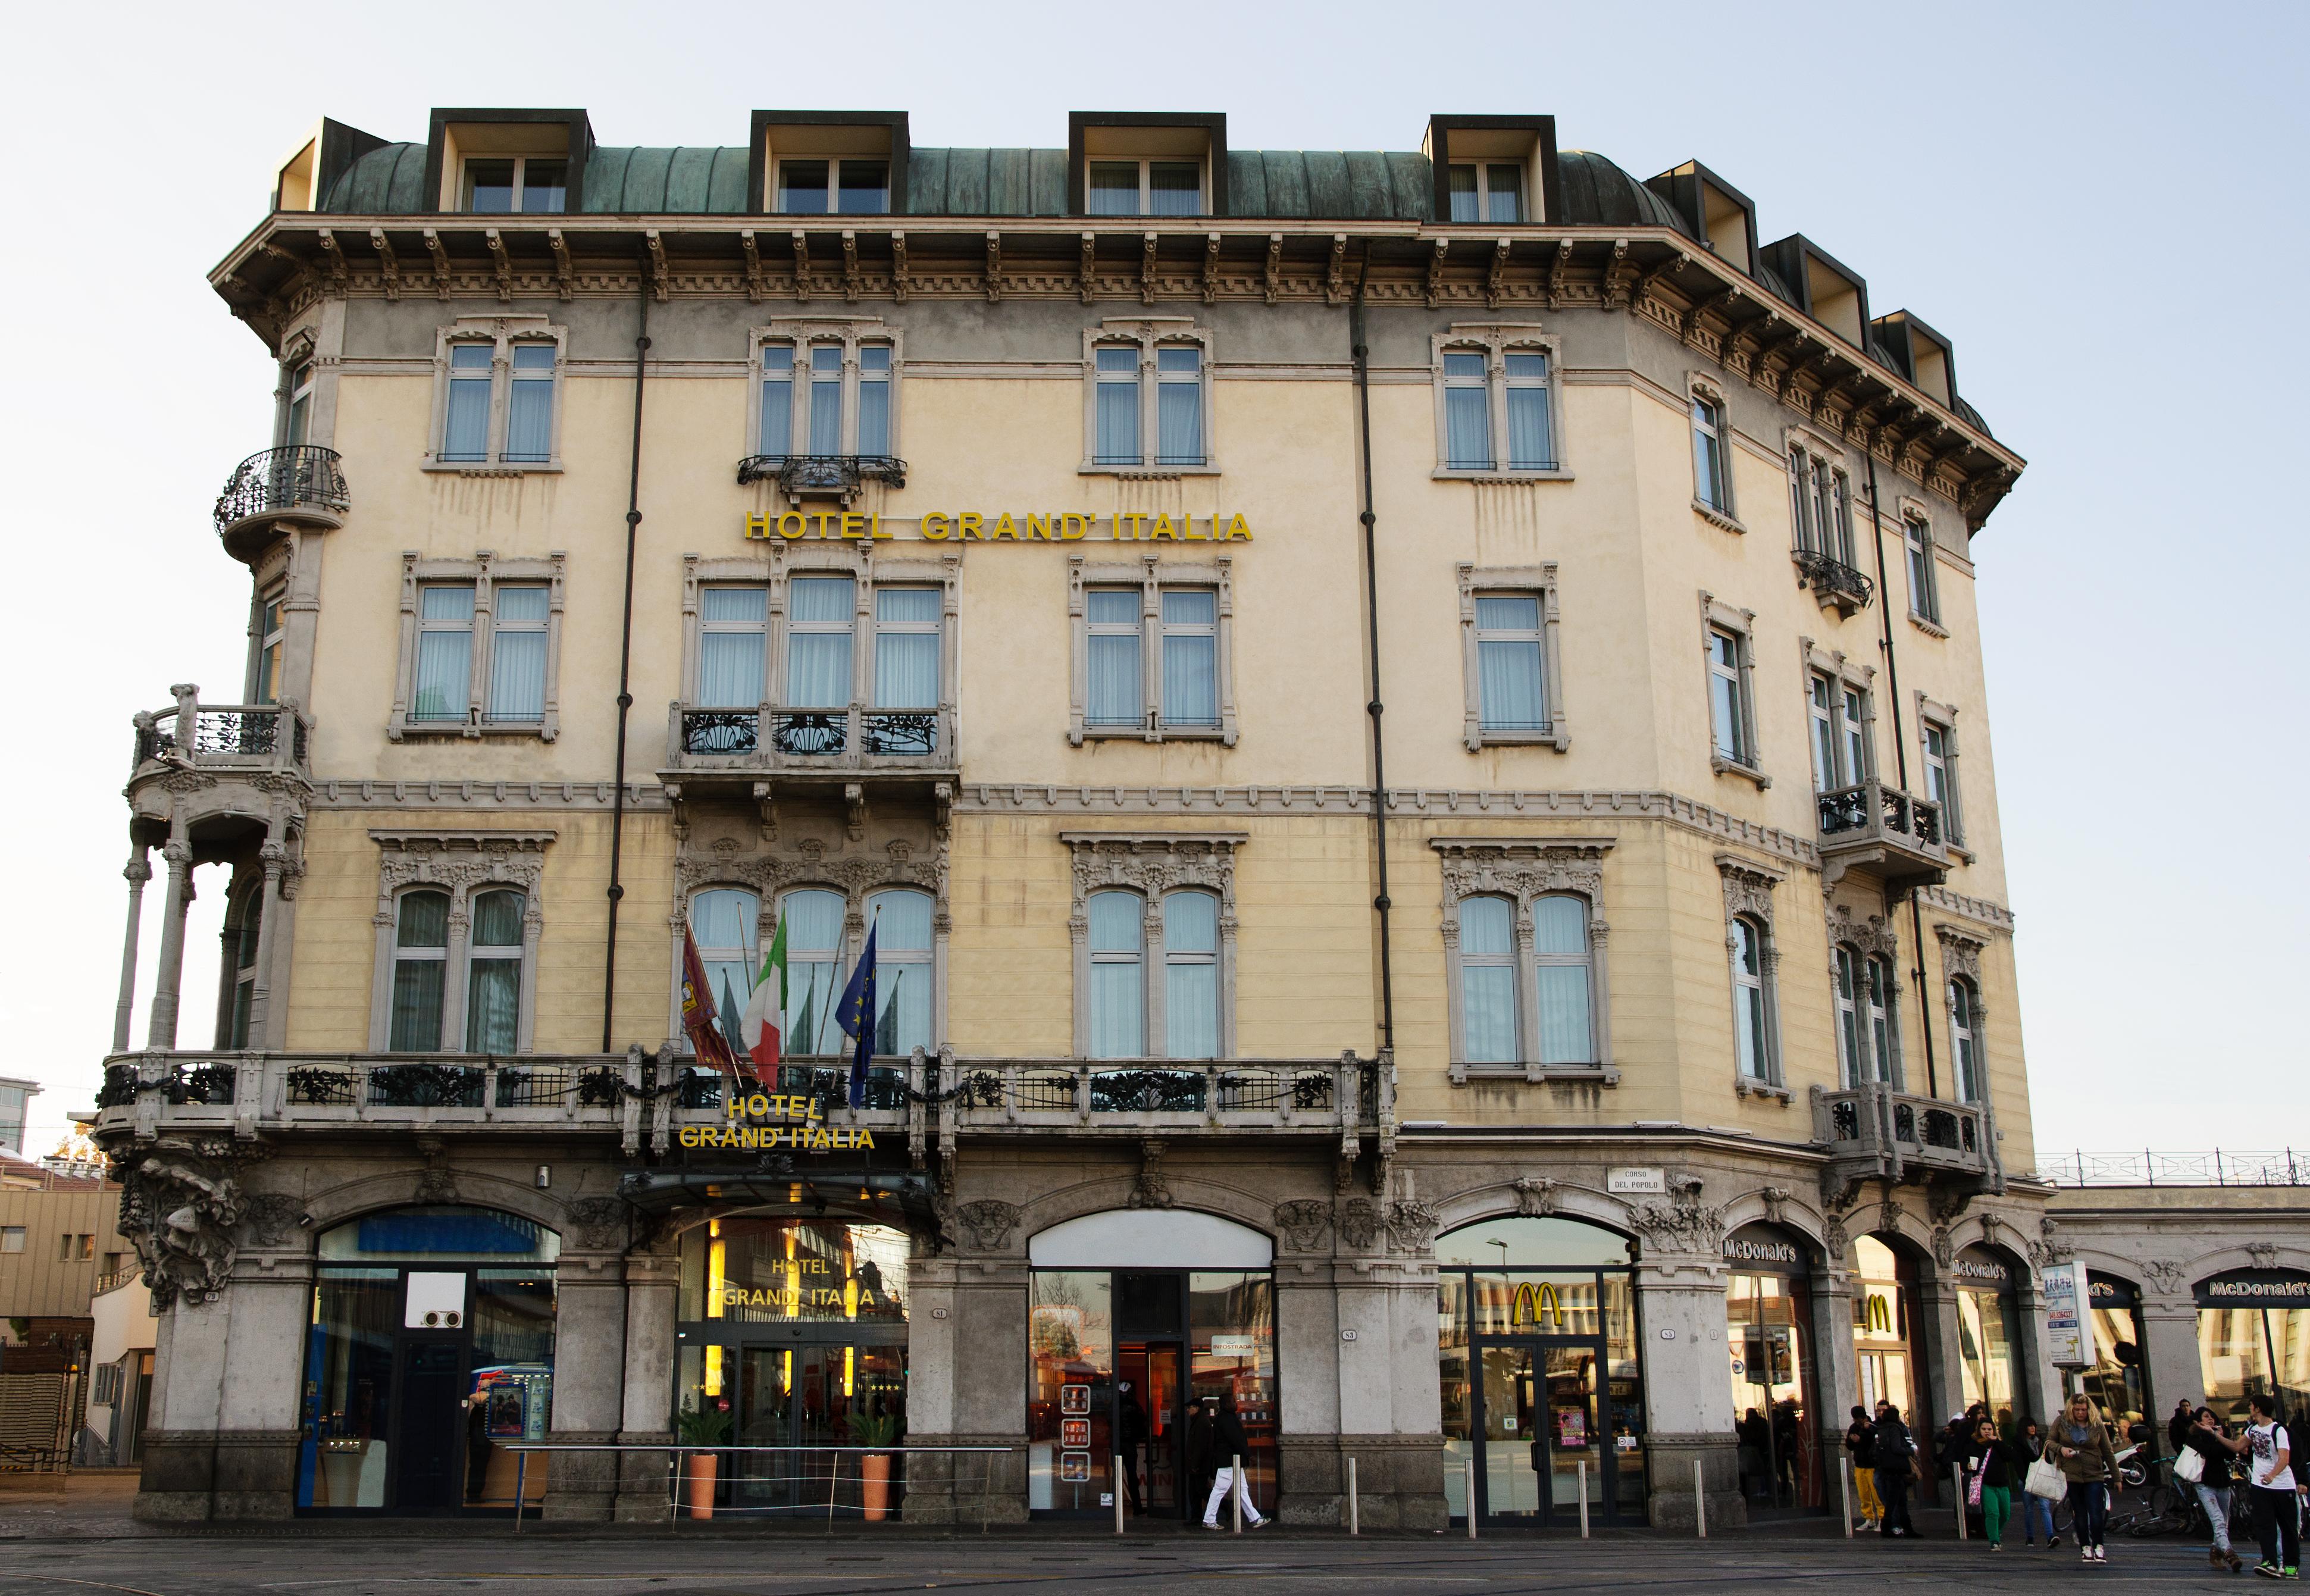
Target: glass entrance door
[1151, 1428]
[806, 1399]
[1537, 1423]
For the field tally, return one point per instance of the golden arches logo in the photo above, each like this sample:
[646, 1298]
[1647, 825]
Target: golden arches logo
[1878, 1315]
[1532, 1301]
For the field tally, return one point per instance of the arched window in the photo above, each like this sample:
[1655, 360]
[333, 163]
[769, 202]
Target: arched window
[1487, 980]
[726, 922]
[1560, 948]
[813, 917]
[1752, 1036]
[1851, 1050]
[420, 959]
[1191, 976]
[1965, 1039]
[1118, 1027]
[494, 983]
[901, 918]
[1877, 995]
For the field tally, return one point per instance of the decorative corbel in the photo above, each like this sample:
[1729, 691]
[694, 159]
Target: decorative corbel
[1715, 304]
[766, 805]
[993, 264]
[334, 273]
[899, 266]
[661, 279]
[1618, 273]
[501, 263]
[1147, 268]
[1496, 278]
[565, 279]
[1650, 280]
[387, 262]
[801, 265]
[753, 265]
[1436, 272]
[854, 798]
[1274, 266]
[433, 246]
[1557, 271]
[1335, 277]
[1211, 268]
[850, 280]
[1086, 266]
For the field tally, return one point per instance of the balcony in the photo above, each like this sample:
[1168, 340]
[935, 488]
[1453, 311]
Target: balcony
[822, 476]
[1836, 585]
[221, 737]
[1882, 829]
[301, 485]
[775, 741]
[1874, 1132]
[1338, 1098]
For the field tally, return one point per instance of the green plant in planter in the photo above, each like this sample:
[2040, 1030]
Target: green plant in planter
[710, 1427]
[877, 1429]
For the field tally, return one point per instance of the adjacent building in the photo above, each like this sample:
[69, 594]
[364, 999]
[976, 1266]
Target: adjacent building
[1407, 731]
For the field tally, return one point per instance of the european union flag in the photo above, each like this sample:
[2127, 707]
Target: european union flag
[857, 1013]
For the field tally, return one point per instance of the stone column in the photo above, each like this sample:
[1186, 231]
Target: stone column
[273, 854]
[1835, 1366]
[179, 852]
[1389, 1405]
[931, 1354]
[257, 1426]
[1937, 1358]
[138, 871]
[646, 1402]
[1680, 1323]
[990, 1388]
[180, 1440]
[2170, 1350]
[589, 1341]
[2037, 1383]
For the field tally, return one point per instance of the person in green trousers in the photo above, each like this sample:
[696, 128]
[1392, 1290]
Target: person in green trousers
[1998, 1463]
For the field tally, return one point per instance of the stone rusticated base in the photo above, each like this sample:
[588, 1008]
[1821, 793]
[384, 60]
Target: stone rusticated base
[967, 1488]
[217, 1477]
[644, 1496]
[1670, 1460]
[1399, 1481]
[580, 1487]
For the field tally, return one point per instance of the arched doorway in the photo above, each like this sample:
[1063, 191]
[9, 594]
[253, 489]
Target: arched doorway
[1887, 1331]
[1131, 1313]
[1989, 1328]
[430, 1344]
[1768, 1332]
[1540, 1373]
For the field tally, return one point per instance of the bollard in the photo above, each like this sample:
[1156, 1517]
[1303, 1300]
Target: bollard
[1584, 1498]
[1844, 1491]
[1956, 1478]
[1117, 1482]
[1355, 1525]
[1468, 1475]
[520, 1487]
[1235, 1491]
[1699, 1502]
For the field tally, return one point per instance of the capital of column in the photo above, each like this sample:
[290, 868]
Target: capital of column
[179, 852]
[137, 871]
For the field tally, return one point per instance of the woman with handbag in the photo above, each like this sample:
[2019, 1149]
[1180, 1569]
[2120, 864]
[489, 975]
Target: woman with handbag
[2080, 1447]
[1993, 1463]
[2037, 1508]
[2201, 1466]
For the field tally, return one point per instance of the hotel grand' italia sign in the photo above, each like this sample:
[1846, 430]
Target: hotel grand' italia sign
[1000, 526]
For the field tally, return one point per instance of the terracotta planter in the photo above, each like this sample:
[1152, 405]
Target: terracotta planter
[874, 1478]
[700, 1470]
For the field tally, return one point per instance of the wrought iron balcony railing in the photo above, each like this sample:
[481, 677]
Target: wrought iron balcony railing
[1872, 1130]
[1833, 581]
[301, 481]
[822, 476]
[2286, 1167]
[223, 736]
[1134, 1095]
[774, 738]
[1871, 815]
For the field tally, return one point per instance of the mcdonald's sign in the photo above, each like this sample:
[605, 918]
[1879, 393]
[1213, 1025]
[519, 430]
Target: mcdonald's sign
[1880, 1317]
[1532, 1301]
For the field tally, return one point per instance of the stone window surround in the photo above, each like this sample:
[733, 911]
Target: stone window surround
[803, 331]
[867, 565]
[1495, 341]
[1796, 438]
[1147, 334]
[463, 863]
[1152, 863]
[1700, 385]
[297, 348]
[1928, 620]
[1535, 581]
[1873, 934]
[501, 332]
[1749, 886]
[1944, 718]
[1961, 951]
[856, 877]
[1717, 616]
[1840, 667]
[1525, 869]
[486, 571]
[1151, 573]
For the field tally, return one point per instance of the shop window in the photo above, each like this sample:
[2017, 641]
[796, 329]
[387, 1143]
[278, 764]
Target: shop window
[1883, 1312]
[1775, 1419]
[2118, 1382]
[1988, 1316]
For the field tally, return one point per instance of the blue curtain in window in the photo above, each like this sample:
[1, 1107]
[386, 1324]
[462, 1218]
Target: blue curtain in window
[873, 417]
[1508, 668]
[1560, 943]
[1114, 697]
[725, 924]
[493, 989]
[907, 663]
[1191, 976]
[424, 928]
[465, 435]
[902, 973]
[1488, 1007]
[445, 658]
[1118, 1027]
[529, 403]
[730, 661]
[1119, 406]
[1467, 429]
[1190, 691]
[518, 656]
[1178, 407]
[817, 662]
[777, 414]
[1528, 447]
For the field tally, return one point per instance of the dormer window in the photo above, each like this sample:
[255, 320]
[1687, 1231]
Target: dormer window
[1169, 163]
[852, 185]
[1487, 191]
[1146, 188]
[518, 184]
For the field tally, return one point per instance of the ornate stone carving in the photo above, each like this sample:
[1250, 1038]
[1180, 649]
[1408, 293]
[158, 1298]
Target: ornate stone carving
[272, 1217]
[1873, 934]
[1775, 1200]
[1153, 1190]
[1359, 1222]
[2049, 1248]
[436, 1185]
[1960, 951]
[1535, 1196]
[1748, 888]
[1303, 1221]
[1523, 870]
[989, 1222]
[1682, 1223]
[2264, 1254]
[1889, 1217]
[459, 861]
[597, 1224]
[1944, 1247]
[180, 1205]
[1835, 1239]
[1412, 1224]
[1155, 862]
[2165, 1274]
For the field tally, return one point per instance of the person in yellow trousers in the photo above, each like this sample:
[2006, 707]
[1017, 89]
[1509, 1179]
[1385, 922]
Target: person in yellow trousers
[1861, 1445]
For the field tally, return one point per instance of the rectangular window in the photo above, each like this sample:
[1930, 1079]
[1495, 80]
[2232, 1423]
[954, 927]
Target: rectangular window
[1509, 664]
[732, 634]
[1467, 413]
[489, 187]
[531, 184]
[300, 403]
[1115, 698]
[12, 1238]
[803, 186]
[851, 186]
[465, 432]
[1486, 191]
[1487, 981]
[1119, 406]
[874, 399]
[1179, 406]
[1529, 445]
[1800, 521]
[1175, 189]
[826, 399]
[1118, 1027]
[906, 648]
[818, 642]
[1855, 731]
[1821, 701]
[1114, 188]
[517, 654]
[529, 404]
[267, 686]
[1840, 511]
[1144, 188]
[445, 654]
[1191, 976]
[863, 187]
[1710, 484]
[419, 963]
[777, 399]
[1925, 598]
[1940, 776]
[1191, 642]
[1728, 686]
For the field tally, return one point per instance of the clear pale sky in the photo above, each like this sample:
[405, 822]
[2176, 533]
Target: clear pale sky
[2102, 205]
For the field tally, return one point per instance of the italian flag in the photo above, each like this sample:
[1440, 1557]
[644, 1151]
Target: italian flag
[764, 1028]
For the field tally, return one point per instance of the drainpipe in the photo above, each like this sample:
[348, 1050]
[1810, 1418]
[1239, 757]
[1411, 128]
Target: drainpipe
[1361, 351]
[1901, 770]
[625, 672]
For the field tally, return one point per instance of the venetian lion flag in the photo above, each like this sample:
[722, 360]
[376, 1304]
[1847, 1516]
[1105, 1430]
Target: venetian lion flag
[763, 1033]
[698, 1016]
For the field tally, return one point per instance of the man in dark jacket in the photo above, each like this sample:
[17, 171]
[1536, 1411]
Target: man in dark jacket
[1897, 1462]
[1230, 1443]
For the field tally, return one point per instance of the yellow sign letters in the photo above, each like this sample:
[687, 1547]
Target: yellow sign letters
[977, 526]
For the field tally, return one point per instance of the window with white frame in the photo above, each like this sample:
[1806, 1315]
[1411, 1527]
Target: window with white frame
[815, 973]
[1820, 504]
[264, 677]
[1841, 720]
[774, 436]
[1880, 991]
[1154, 968]
[844, 186]
[734, 629]
[1753, 963]
[1728, 654]
[1490, 1025]
[493, 972]
[1939, 738]
[245, 926]
[1153, 650]
[1711, 477]
[1965, 1039]
[498, 395]
[420, 955]
[1924, 589]
[1191, 975]
[1524, 955]
[1486, 190]
[1496, 405]
[517, 185]
[1118, 1024]
[906, 648]
[12, 1238]
[458, 931]
[298, 418]
[1866, 1034]
[901, 917]
[1752, 1027]
[1564, 977]
[481, 647]
[1510, 659]
[820, 611]
[1148, 398]
[825, 387]
[726, 924]
[1150, 188]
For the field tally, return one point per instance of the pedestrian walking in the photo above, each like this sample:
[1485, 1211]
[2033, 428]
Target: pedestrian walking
[2269, 1476]
[1896, 1467]
[1861, 1445]
[2178, 1427]
[1231, 1444]
[2213, 1453]
[2080, 1446]
[2036, 1510]
[1995, 1466]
